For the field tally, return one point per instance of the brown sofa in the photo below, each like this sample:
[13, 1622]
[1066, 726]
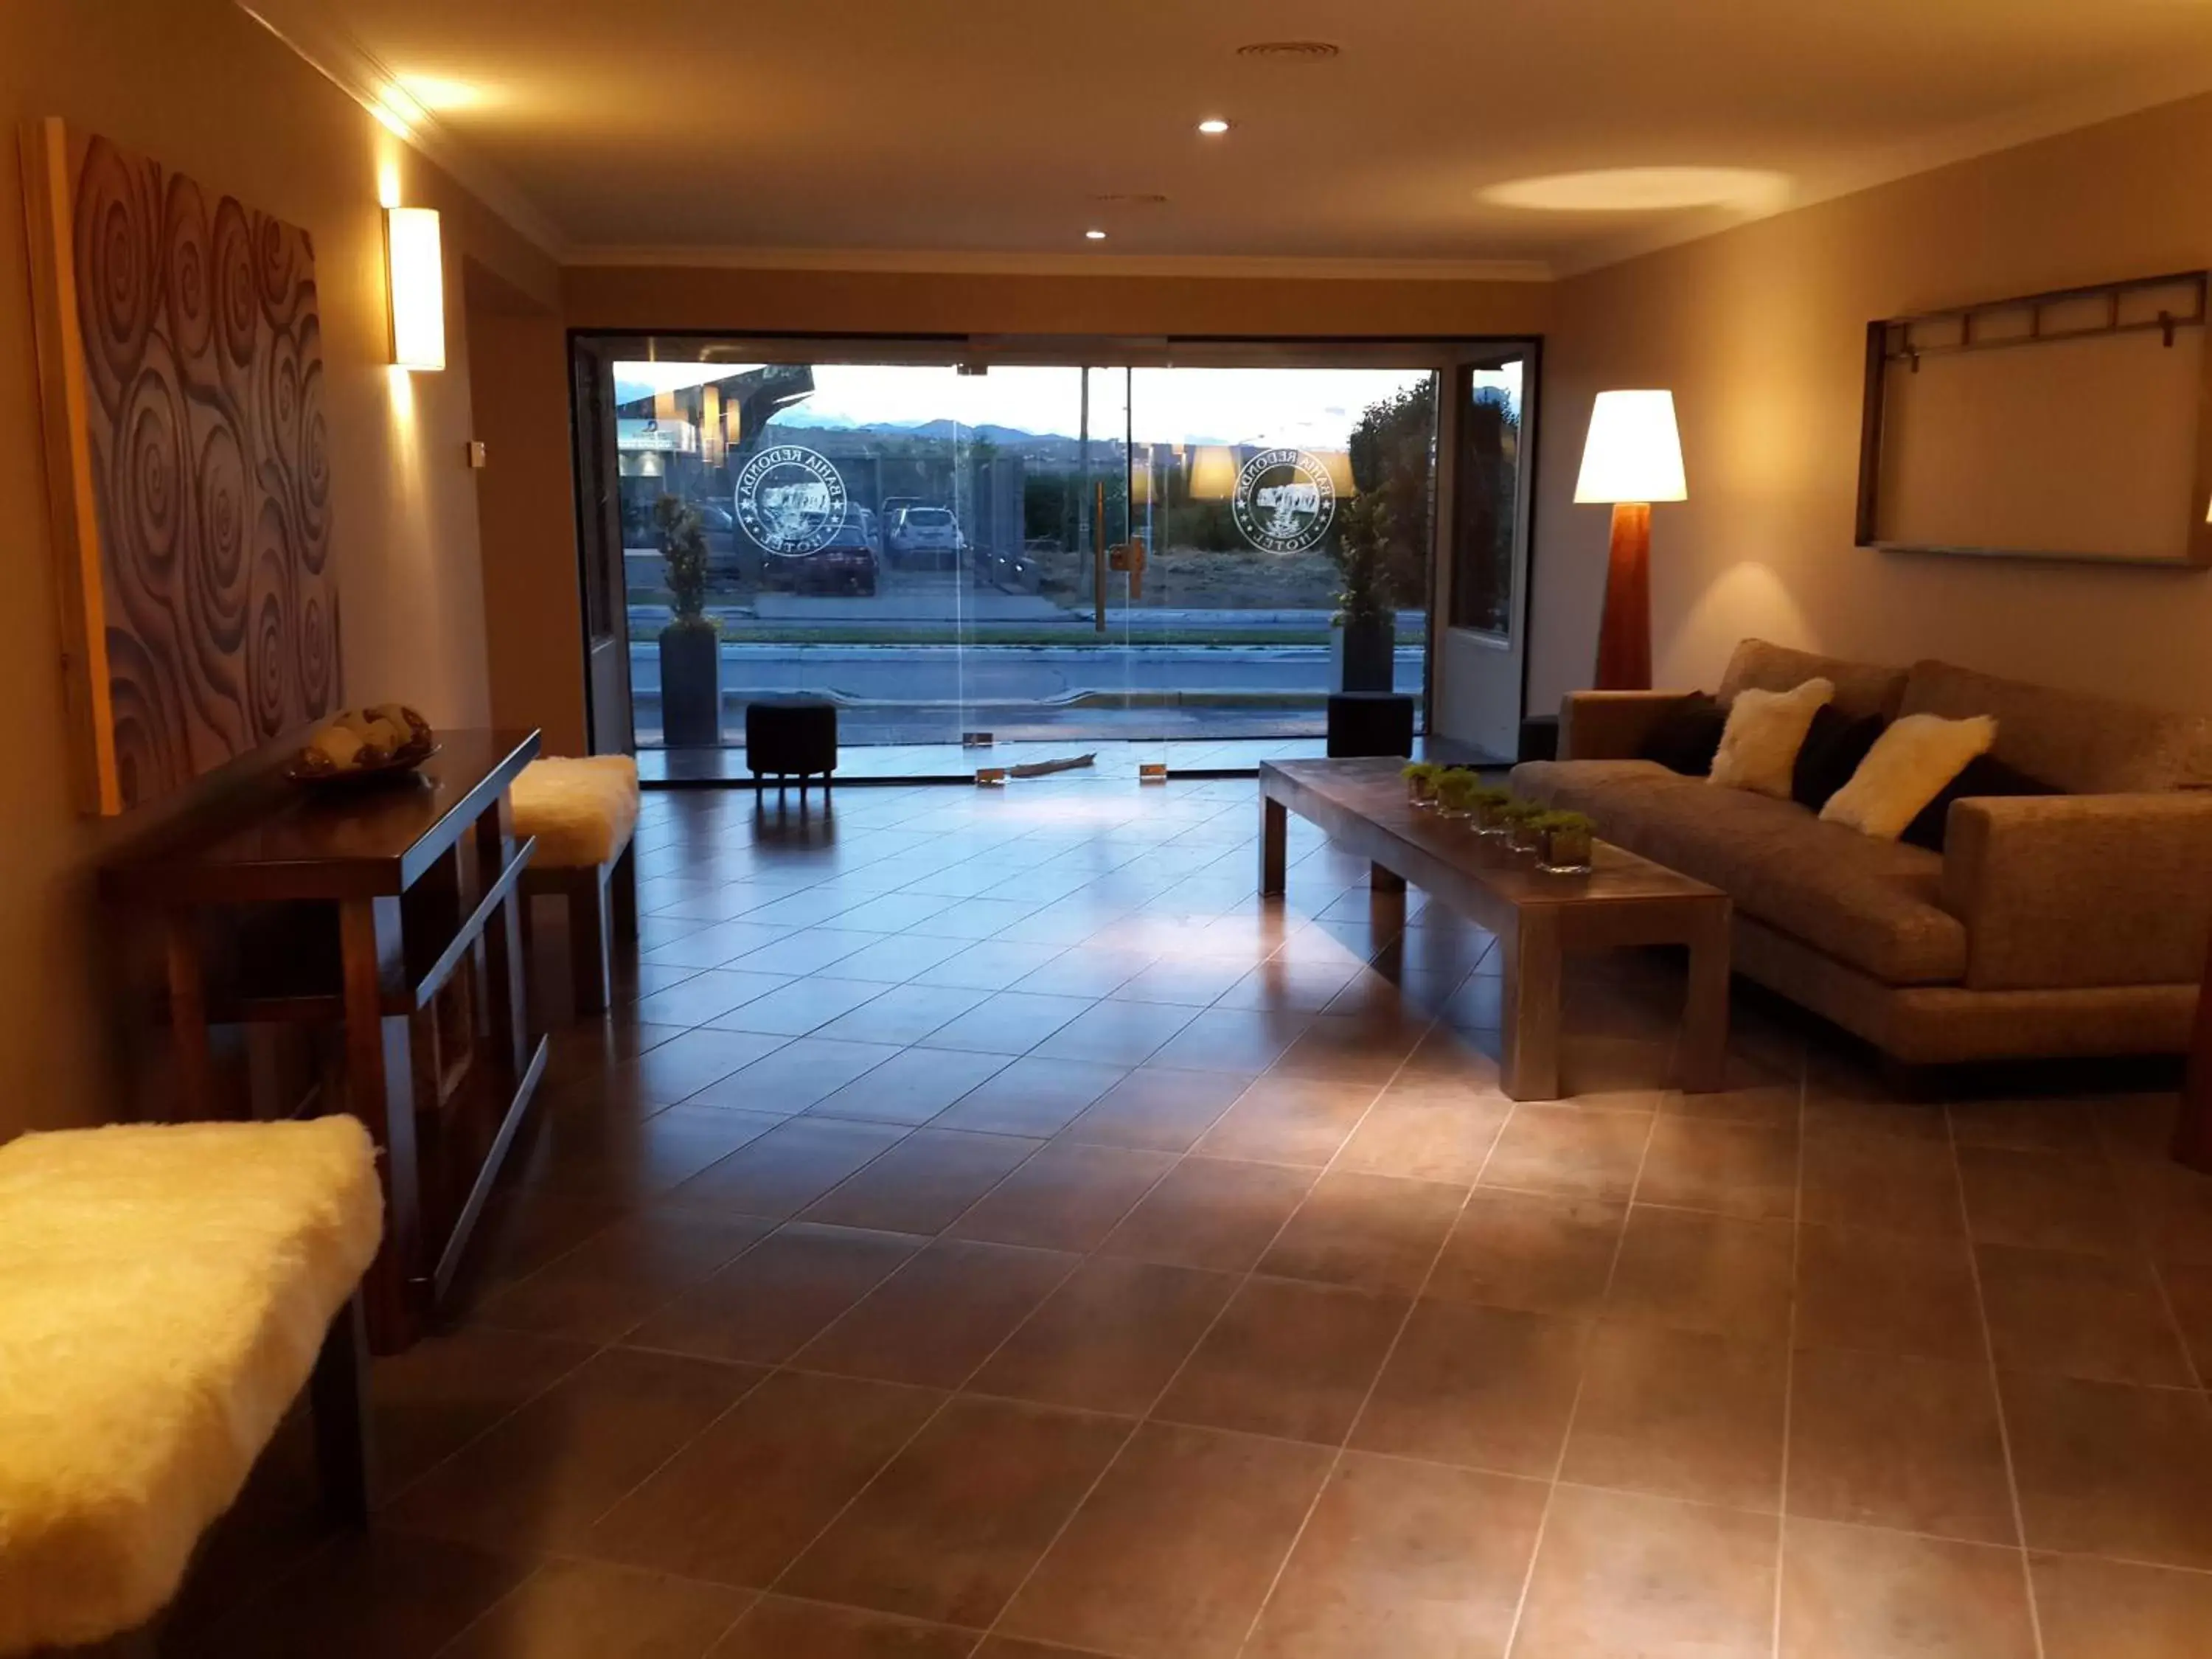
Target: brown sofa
[2070, 924]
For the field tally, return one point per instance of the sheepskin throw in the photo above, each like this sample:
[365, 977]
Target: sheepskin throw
[164, 1291]
[1907, 768]
[582, 811]
[1766, 729]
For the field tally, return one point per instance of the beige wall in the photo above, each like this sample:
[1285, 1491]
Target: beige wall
[1760, 333]
[668, 297]
[200, 86]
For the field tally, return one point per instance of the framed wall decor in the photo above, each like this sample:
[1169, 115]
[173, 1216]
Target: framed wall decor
[2073, 425]
[180, 362]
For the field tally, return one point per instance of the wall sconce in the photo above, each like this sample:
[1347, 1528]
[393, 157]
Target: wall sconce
[415, 280]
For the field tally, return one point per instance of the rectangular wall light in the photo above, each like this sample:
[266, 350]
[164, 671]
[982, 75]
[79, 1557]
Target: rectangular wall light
[414, 271]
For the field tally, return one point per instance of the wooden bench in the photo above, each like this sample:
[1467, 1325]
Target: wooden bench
[166, 1291]
[583, 814]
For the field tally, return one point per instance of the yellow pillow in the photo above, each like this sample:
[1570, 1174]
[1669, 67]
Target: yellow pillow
[1765, 731]
[1907, 768]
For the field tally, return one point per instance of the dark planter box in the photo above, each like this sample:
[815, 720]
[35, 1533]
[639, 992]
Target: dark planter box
[690, 687]
[1370, 655]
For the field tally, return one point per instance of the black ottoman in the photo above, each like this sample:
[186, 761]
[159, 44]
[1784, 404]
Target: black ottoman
[1370, 723]
[791, 738]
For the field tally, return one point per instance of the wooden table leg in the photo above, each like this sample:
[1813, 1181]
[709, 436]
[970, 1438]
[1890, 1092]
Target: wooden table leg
[188, 1026]
[1274, 835]
[1530, 998]
[338, 1392]
[1380, 880]
[381, 1092]
[622, 887]
[1705, 1008]
[504, 980]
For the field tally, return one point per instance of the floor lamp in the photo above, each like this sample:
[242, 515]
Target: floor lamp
[1633, 458]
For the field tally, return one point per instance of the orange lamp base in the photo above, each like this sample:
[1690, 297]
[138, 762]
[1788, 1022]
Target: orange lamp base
[1624, 635]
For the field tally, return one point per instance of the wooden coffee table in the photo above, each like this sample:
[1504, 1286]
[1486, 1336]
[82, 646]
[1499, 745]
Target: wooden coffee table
[1539, 919]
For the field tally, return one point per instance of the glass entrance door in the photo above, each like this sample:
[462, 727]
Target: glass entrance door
[1289, 517]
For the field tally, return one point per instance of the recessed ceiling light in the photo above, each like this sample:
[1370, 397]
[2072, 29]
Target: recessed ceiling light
[1096, 235]
[1644, 190]
[1214, 126]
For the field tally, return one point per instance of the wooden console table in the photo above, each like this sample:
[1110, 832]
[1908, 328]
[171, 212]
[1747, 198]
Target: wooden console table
[362, 909]
[1539, 919]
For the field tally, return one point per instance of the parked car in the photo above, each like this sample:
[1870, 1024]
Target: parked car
[927, 537]
[872, 528]
[846, 564]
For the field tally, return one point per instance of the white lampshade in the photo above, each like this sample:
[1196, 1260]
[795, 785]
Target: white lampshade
[1633, 453]
[415, 272]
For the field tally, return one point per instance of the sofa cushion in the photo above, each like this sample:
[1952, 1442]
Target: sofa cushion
[1686, 738]
[1861, 688]
[1907, 768]
[1834, 745]
[2077, 743]
[1766, 729]
[1870, 903]
[1984, 779]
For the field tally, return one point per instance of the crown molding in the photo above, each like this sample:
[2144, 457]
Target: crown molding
[954, 262]
[2069, 112]
[327, 47]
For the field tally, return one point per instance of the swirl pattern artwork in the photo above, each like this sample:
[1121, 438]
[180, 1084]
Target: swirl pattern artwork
[208, 590]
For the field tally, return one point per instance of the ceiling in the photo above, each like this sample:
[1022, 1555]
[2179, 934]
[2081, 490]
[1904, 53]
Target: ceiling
[990, 129]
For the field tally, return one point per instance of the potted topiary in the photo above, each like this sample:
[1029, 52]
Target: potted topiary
[691, 644]
[1455, 792]
[1566, 837]
[1521, 832]
[1420, 778]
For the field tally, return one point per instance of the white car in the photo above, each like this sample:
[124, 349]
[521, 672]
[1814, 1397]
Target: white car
[926, 536]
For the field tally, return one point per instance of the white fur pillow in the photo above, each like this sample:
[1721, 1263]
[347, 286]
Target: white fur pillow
[1907, 768]
[1765, 731]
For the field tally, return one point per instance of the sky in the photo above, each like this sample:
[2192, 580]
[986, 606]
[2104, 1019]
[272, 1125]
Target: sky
[1301, 408]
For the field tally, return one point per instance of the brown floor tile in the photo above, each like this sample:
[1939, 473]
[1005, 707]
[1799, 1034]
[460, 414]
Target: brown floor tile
[523, 1229]
[541, 1477]
[1283, 1119]
[788, 1169]
[2093, 1609]
[2108, 1469]
[780, 1629]
[1405, 1560]
[1485, 1388]
[802, 1005]
[1068, 1197]
[1210, 1212]
[938, 1317]
[1858, 1287]
[1032, 1096]
[2173, 1205]
[1007, 1023]
[770, 1301]
[740, 1501]
[1156, 1108]
[1524, 1250]
[1110, 1338]
[1008, 1647]
[922, 1184]
[1175, 1550]
[901, 1013]
[1187, 981]
[1679, 1414]
[583, 1610]
[795, 1076]
[1352, 1048]
[2045, 1201]
[1619, 1575]
[1233, 1039]
[370, 1595]
[1750, 1099]
[1857, 1593]
[951, 1527]
[1371, 1231]
[1299, 986]
[605, 1286]
[448, 1389]
[2082, 1315]
[1568, 1152]
[1898, 1184]
[586, 1148]
[1117, 1033]
[1744, 1170]
[2027, 1125]
[1288, 1359]
[912, 1086]
[1427, 1132]
[1706, 1274]
[2190, 1291]
[1881, 1440]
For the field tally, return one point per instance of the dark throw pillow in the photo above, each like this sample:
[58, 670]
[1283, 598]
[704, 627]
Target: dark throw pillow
[1983, 776]
[1834, 745]
[1688, 736]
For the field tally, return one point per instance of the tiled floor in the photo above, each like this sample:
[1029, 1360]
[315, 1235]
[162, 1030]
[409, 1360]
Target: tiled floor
[988, 1230]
